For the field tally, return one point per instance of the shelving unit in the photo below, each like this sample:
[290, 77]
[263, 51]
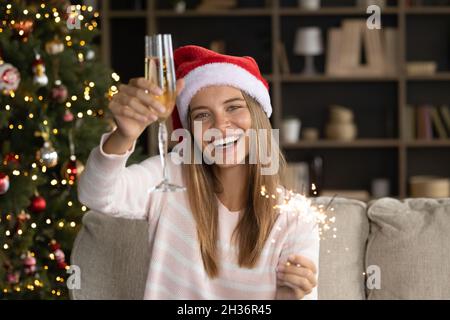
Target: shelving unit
[360, 143]
[378, 102]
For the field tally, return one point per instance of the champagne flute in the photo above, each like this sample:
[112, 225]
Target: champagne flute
[160, 70]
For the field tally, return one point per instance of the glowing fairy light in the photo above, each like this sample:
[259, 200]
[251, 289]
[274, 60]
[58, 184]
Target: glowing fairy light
[314, 189]
[115, 77]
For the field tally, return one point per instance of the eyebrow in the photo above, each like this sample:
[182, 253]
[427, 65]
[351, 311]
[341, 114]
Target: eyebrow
[225, 102]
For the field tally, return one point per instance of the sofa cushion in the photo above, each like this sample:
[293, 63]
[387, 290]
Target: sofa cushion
[113, 256]
[410, 243]
[341, 263]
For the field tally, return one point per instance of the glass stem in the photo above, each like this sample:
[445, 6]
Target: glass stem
[162, 144]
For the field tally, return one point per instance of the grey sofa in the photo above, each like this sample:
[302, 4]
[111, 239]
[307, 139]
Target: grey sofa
[385, 249]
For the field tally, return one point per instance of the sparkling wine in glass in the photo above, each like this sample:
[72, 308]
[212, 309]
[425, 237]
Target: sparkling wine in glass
[160, 70]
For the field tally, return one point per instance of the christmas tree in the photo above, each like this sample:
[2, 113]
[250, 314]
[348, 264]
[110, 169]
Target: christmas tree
[53, 109]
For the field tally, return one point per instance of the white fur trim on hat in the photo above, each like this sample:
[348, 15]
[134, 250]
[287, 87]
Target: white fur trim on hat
[221, 73]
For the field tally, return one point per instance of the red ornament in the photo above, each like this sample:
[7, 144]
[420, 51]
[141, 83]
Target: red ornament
[72, 169]
[9, 77]
[60, 258]
[11, 158]
[38, 204]
[68, 116]
[59, 92]
[4, 183]
[29, 264]
[59, 255]
[23, 28]
[23, 216]
[54, 245]
[12, 278]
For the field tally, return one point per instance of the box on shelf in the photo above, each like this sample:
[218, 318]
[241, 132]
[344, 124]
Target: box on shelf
[429, 187]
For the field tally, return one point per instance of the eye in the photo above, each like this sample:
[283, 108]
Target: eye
[232, 108]
[201, 116]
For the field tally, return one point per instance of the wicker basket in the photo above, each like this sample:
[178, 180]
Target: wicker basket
[429, 187]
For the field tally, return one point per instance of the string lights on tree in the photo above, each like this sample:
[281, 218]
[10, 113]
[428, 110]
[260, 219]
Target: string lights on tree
[53, 97]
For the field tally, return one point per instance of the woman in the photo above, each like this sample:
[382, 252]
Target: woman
[221, 239]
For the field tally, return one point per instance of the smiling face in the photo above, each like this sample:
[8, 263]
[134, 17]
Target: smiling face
[223, 116]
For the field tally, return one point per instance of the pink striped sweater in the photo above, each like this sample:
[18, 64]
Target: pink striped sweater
[176, 269]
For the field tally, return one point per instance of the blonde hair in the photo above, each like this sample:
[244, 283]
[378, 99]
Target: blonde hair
[258, 217]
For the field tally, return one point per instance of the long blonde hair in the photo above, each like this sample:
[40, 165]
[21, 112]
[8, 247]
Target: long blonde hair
[258, 217]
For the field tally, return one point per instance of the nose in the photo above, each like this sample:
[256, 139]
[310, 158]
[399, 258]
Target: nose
[222, 121]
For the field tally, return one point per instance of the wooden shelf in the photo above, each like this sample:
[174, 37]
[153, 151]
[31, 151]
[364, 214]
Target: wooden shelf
[326, 78]
[252, 12]
[428, 143]
[325, 11]
[127, 13]
[393, 157]
[360, 143]
[427, 10]
[440, 76]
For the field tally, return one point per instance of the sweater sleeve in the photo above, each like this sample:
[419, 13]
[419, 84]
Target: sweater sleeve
[303, 239]
[108, 186]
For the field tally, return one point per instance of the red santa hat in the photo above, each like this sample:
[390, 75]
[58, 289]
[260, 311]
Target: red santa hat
[201, 68]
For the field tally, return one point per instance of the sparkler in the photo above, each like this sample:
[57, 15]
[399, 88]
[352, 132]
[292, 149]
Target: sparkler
[301, 207]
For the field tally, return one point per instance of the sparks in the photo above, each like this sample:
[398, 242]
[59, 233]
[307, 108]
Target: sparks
[301, 207]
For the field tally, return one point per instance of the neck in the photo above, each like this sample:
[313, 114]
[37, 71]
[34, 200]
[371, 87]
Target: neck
[234, 182]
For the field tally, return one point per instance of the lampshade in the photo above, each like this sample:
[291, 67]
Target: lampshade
[308, 41]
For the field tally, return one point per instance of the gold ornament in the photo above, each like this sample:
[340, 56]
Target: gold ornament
[54, 46]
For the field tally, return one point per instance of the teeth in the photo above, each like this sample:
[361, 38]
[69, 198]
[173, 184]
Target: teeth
[227, 140]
